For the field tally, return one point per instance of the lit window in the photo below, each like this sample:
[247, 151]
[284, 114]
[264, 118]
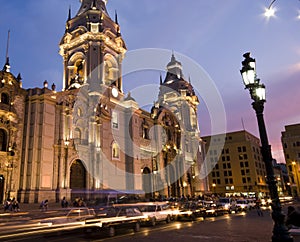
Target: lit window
[115, 151]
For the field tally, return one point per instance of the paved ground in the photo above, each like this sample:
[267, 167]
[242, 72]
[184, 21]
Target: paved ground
[248, 227]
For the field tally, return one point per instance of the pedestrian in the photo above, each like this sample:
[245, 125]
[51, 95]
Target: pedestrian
[44, 205]
[8, 205]
[258, 209]
[64, 203]
[15, 205]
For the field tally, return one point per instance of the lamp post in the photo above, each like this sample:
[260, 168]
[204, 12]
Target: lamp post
[257, 93]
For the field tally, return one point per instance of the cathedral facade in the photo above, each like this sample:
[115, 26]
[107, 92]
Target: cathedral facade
[91, 139]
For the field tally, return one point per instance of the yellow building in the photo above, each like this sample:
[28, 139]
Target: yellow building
[290, 139]
[236, 164]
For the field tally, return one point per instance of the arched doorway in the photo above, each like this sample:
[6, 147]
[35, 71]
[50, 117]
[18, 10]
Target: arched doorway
[78, 180]
[147, 182]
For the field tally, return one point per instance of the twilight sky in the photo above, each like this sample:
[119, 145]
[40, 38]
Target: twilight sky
[213, 33]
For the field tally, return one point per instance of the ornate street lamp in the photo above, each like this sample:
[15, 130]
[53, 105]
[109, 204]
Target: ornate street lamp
[258, 95]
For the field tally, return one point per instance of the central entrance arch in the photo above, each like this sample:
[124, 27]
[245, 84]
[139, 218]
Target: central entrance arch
[78, 176]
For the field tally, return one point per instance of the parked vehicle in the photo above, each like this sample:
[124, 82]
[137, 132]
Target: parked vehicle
[75, 215]
[228, 204]
[242, 205]
[190, 211]
[251, 203]
[213, 209]
[115, 218]
[155, 212]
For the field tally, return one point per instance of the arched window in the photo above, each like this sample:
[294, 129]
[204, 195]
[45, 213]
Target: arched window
[79, 71]
[3, 140]
[111, 70]
[4, 98]
[77, 134]
[115, 151]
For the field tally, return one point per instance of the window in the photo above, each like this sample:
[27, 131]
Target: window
[239, 149]
[223, 158]
[225, 173]
[115, 151]
[228, 165]
[3, 140]
[145, 129]
[224, 166]
[244, 149]
[246, 164]
[244, 180]
[241, 164]
[217, 167]
[242, 172]
[230, 180]
[4, 98]
[228, 158]
[114, 120]
[218, 181]
[240, 157]
[245, 156]
[229, 173]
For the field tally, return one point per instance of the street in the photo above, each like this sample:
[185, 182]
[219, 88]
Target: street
[239, 227]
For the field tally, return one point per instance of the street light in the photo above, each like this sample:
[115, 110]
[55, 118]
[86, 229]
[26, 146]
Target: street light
[214, 187]
[258, 95]
[270, 10]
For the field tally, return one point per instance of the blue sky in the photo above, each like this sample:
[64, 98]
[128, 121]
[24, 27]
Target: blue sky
[213, 33]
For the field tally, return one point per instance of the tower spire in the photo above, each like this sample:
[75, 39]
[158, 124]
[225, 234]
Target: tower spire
[7, 65]
[69, 16]
[116, 17]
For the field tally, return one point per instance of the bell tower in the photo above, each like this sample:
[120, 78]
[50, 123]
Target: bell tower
[92, 48]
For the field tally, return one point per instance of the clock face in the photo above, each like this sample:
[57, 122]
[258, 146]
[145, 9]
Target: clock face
[114, 92]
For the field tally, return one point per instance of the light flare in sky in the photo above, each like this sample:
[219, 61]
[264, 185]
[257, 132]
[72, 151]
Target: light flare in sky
[270, 12]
